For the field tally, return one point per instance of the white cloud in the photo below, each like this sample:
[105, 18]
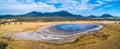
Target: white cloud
[25, 6]
[101, 2]
[52, 1]
[42, 7]
[13, 7]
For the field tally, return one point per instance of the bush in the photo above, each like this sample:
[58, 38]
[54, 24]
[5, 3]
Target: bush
[3, 45]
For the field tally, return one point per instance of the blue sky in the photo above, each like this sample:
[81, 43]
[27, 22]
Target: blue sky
[79, 7]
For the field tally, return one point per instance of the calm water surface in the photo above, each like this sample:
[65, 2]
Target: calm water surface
[74, 27]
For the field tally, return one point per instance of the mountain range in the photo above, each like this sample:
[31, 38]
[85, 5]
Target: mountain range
[56, 14]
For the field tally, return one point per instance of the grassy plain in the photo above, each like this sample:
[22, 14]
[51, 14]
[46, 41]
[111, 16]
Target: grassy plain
[112, 41]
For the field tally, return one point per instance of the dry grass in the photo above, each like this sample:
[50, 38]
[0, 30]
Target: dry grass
[87, 42]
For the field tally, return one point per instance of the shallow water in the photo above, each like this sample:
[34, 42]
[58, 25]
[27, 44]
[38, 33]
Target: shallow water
[51, 35]
[74, 27]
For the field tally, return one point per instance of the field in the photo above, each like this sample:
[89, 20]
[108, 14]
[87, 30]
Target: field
[111, 41]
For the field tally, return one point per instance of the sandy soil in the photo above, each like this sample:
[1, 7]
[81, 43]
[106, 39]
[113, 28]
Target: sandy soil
[111, 41]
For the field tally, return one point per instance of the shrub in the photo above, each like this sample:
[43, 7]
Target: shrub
[3, 45]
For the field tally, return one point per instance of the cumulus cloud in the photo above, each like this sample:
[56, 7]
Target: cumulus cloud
[21, 7]
[72, 6]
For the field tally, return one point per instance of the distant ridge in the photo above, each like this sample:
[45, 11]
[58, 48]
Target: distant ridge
[55, 14]
[106, 15]
[60, 13]
[92, 16]
[34, 13]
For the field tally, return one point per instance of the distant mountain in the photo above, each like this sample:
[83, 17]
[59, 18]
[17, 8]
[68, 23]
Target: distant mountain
[34, 13]
[60, 13]
[92, 16]
[106, 16]
[52, 14]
